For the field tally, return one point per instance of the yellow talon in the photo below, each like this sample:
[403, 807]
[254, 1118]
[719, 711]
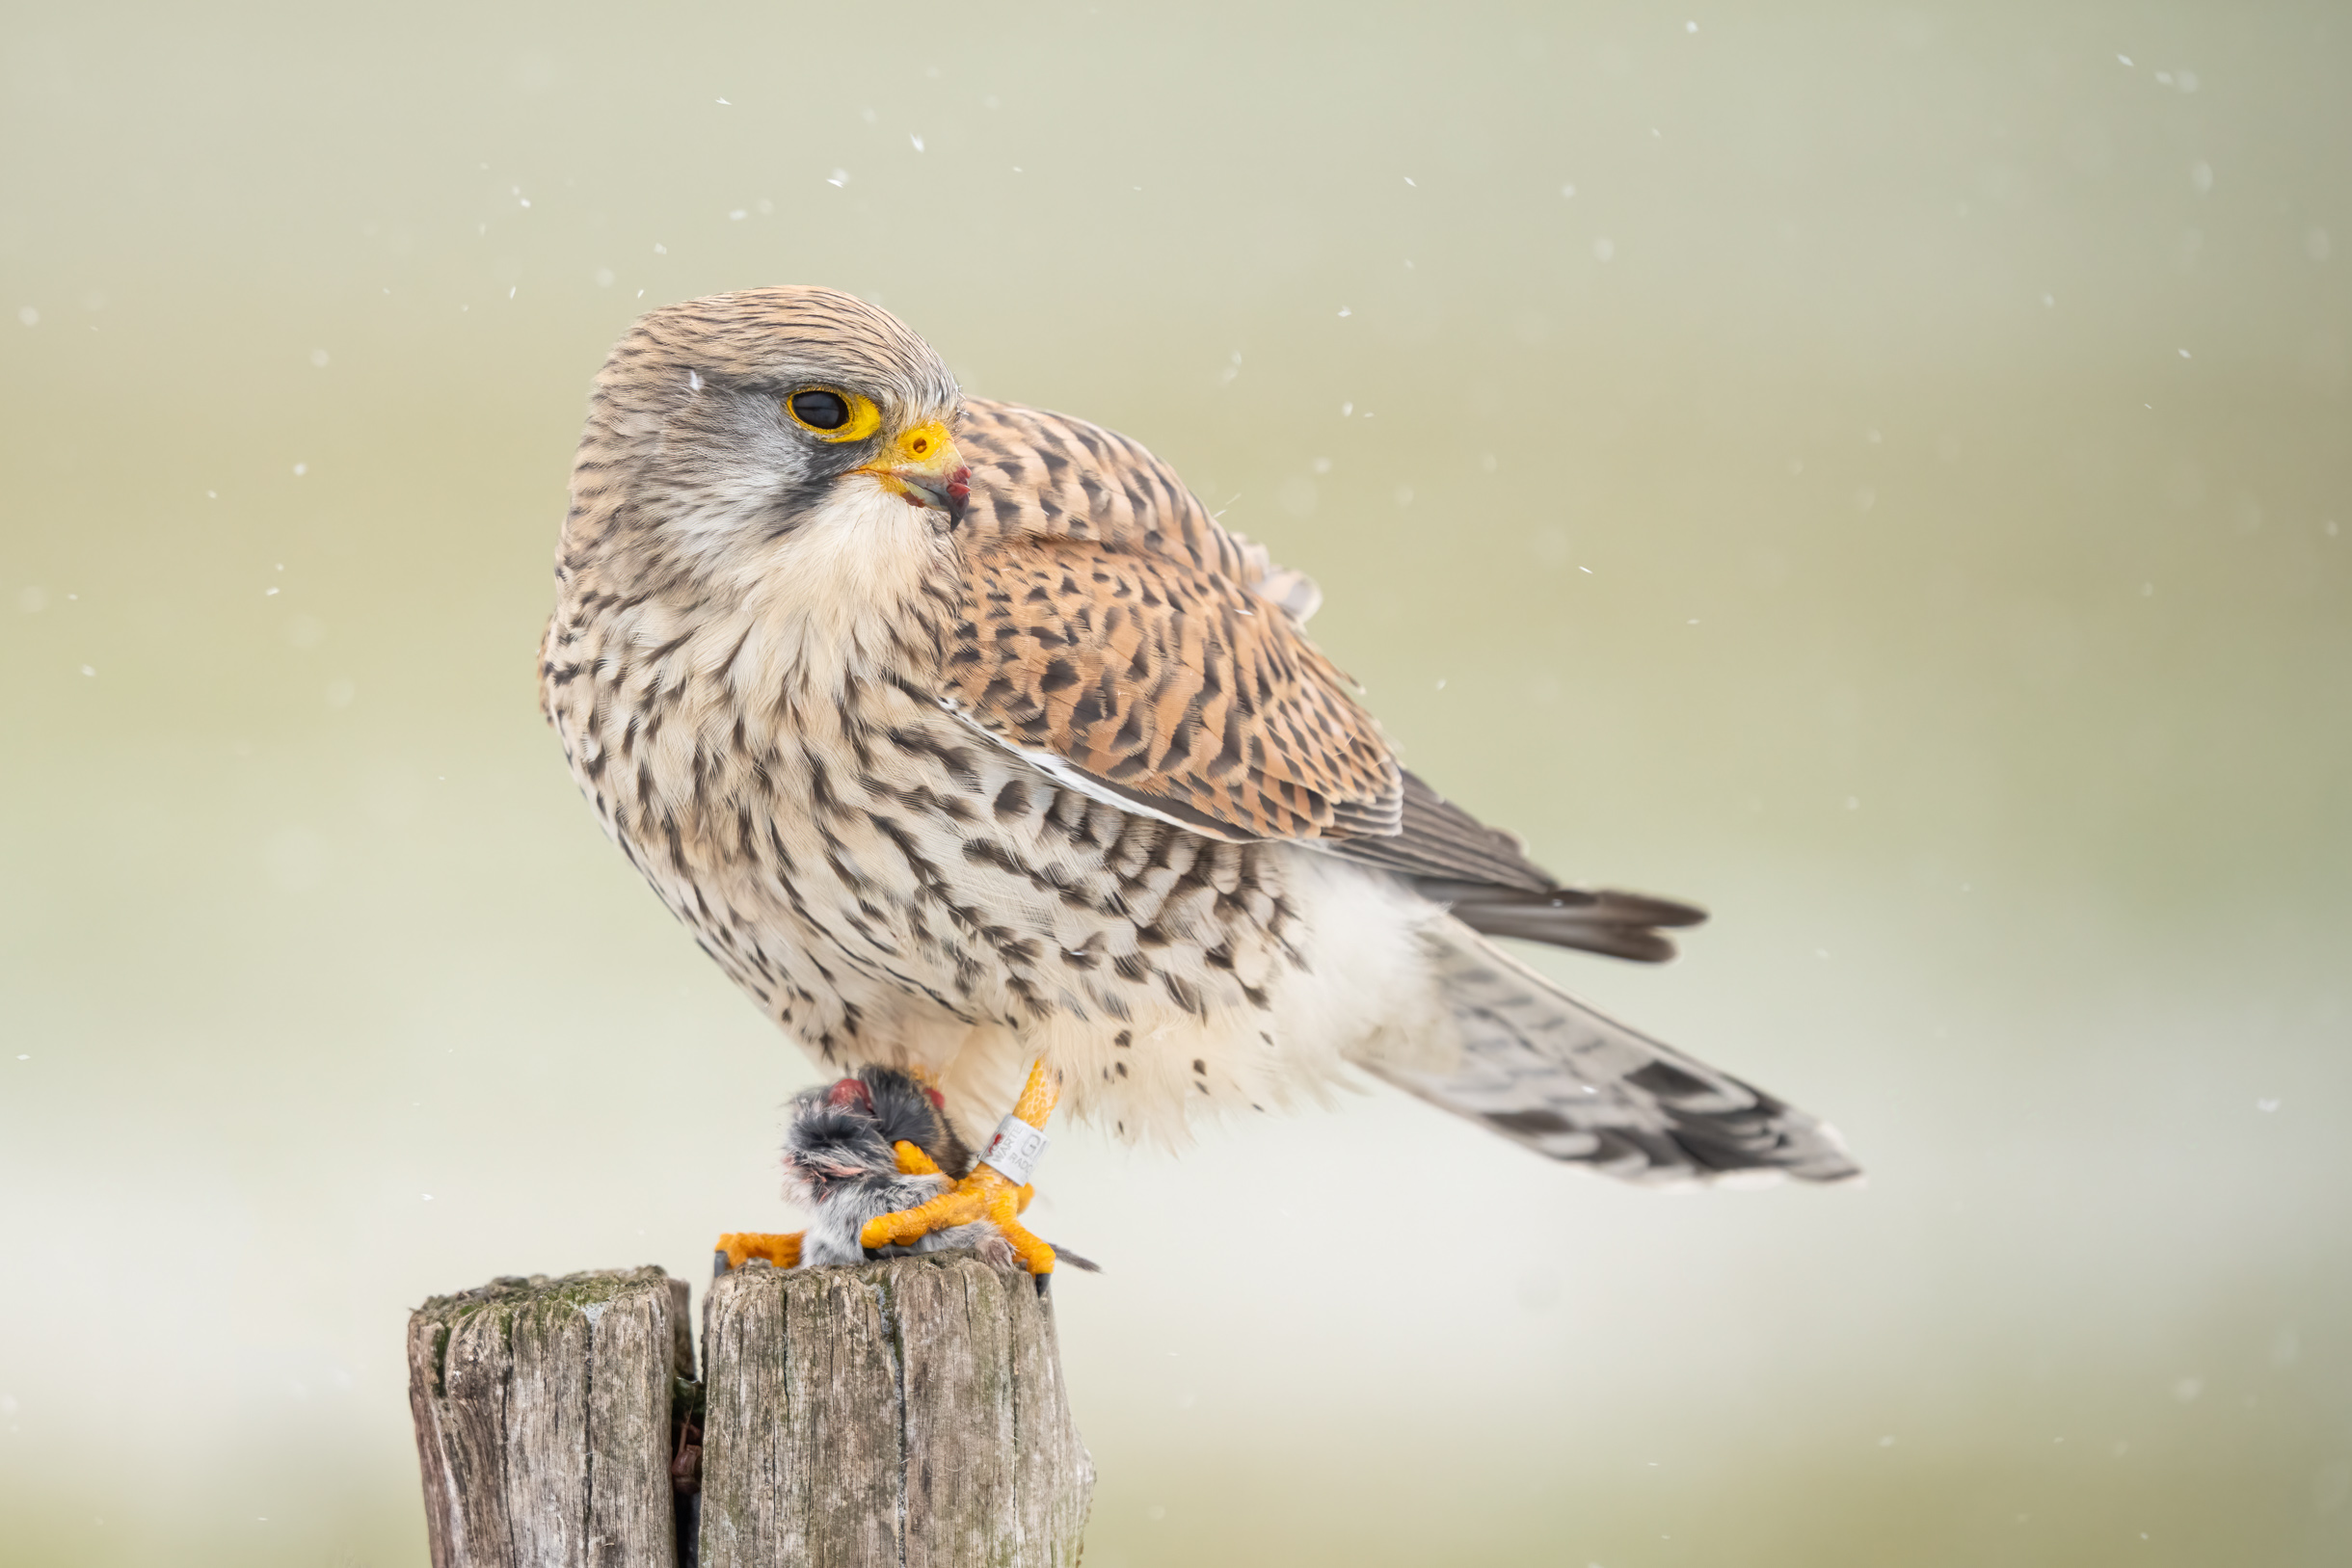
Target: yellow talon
[987, 1193]
[780, 1248]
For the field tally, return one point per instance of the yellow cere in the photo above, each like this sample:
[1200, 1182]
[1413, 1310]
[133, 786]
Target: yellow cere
[925, 443]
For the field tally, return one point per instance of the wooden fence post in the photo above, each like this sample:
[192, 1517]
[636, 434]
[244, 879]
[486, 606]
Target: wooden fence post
[907, 1412]
[543, 1411]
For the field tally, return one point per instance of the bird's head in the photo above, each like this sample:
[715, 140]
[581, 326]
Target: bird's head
[723, 422]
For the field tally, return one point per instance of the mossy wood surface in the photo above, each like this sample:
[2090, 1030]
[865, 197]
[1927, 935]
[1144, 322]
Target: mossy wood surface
[908, 1412]
[543, 1419]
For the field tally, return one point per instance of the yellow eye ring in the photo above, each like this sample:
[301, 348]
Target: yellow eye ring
[853, 417]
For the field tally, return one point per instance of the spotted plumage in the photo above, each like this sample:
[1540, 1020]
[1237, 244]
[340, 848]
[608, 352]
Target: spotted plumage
[1112, 627]
[962, 736]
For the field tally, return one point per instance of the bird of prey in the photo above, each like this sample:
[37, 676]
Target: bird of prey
[966, 742]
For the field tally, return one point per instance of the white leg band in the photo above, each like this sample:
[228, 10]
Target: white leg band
[1015, 1150]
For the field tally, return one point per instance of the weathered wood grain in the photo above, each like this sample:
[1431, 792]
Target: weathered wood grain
[907, 1414]
[543, 1419]
[910, 1412]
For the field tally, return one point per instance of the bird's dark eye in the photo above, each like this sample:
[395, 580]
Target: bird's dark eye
[819, 410]
[831, 414]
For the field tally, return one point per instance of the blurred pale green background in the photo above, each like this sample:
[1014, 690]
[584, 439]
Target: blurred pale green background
[1883, 472]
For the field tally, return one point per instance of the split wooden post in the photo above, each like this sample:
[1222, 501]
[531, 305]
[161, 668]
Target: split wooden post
[543, 1420]
[910, 1412]
[904, 1412]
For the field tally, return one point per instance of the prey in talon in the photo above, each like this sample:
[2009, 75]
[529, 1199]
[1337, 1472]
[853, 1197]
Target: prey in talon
[866, 1153]
[995, 1192]
[967, 742]
[867, 1147]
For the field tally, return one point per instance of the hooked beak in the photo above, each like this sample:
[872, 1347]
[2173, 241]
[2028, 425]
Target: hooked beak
[923, 469]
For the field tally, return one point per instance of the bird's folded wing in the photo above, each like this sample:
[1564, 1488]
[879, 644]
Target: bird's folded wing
[1113, 632]
[1120, 639]
[1435, 837]
[1485, 877]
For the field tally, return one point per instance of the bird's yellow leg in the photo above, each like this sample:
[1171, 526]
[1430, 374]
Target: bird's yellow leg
[779, 1247]
[987, 1193]
[783, 1247]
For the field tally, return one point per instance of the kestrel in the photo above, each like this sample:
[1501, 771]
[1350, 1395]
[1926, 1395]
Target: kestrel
[969, 744]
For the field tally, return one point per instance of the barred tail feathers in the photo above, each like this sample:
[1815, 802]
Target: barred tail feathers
[1555, 1073]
